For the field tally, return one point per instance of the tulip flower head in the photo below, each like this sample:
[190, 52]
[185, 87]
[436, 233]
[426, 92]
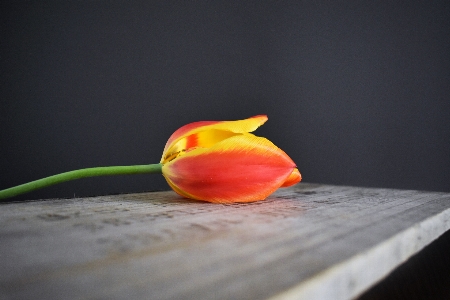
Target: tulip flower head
[222, 162]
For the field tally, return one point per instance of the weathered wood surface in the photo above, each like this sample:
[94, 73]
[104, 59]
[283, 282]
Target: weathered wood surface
[306, 242]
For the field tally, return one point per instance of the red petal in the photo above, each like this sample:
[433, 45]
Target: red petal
[190, 132]
[187, 130]
[242, 168]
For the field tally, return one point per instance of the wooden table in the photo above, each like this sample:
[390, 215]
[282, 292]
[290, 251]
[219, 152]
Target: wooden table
[306, 242]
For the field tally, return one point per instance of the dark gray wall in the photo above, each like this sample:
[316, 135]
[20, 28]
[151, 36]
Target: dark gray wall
[357, 92]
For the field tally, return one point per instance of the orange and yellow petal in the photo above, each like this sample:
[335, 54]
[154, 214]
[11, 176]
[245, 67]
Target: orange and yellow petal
[202, 139]
[294, 178]
[242, 168]
[196, 134]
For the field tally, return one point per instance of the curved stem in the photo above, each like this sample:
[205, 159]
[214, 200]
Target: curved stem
[76, 174]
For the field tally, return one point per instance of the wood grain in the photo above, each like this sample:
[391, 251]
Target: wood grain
[305, 242]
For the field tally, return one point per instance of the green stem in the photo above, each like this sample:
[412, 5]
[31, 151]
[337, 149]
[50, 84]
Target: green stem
[76, 174]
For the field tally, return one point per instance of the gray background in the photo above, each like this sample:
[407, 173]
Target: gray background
[357, 92]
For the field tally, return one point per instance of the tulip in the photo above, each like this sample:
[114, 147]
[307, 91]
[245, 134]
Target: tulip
[222, 162]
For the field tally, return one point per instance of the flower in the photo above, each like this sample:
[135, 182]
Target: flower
[221, 162]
